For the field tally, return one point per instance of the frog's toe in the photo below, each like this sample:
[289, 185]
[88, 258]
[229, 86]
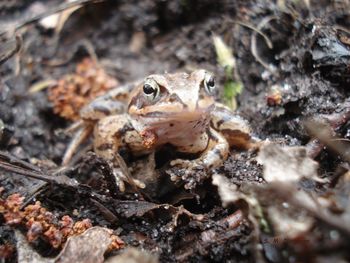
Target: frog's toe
[121, 180]
[175, 174]
[120, 183]
[139, 184]
[181, 163]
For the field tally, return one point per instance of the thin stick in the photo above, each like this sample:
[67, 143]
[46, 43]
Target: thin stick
[77, 140]
[18, 46]
[254, 49]
[17, 162]
[32, 174]
[52, 11]
[266, 38]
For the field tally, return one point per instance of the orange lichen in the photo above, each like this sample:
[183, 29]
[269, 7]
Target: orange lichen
[116, 243]
[6, 251]
[10, 209]
[40, 222]
[74, 91]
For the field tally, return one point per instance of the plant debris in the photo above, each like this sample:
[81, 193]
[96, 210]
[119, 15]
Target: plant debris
[282, 65]
[40, 222]
[89, 246]
[73, 91]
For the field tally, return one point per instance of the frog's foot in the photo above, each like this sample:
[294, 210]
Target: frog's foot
[120, 180]
[190, 172]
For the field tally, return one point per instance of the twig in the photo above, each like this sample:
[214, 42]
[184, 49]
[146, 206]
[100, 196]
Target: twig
[9, 54]
[60, 180]
[13, 29]
[77, 140]
[15, 165]
[15, 161]
[52, 11]
[84, 43]
[107, 214]
[33, 194]
[266, 38]
[254, 48]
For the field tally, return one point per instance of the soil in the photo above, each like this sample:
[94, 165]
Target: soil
[304, 75]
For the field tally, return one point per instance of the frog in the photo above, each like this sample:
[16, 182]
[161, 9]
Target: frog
[177, 109]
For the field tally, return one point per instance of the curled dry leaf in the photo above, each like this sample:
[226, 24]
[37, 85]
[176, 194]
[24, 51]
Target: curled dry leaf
[286, 164]
[283, 167]
[289, 225]
[88, 247]
[227, 191]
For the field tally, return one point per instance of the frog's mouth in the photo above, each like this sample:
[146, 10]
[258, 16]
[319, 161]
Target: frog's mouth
[182, 115]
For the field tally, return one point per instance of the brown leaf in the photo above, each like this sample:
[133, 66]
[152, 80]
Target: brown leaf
[286, 164]
[87, 247]
[133, 255]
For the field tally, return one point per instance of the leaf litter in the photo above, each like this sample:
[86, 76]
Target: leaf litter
[286, 201]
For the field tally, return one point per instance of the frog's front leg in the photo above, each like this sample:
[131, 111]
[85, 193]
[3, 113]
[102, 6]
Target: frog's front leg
[111, 103]
[194, 171]
[111, 134]
[233, 127]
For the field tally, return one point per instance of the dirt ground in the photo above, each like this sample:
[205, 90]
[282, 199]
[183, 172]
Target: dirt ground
[289, 202]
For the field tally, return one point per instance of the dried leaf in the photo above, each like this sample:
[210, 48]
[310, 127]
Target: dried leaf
[227, 191]
[133, 255]
[136, 208]
[286, 164]
[289, 225]
[25, 253]
[87, 247]
[224, 53]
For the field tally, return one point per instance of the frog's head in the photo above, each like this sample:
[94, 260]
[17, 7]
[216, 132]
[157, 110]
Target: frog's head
[173, 98]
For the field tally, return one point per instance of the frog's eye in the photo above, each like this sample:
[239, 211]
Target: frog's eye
[151, 89]
[209, 84]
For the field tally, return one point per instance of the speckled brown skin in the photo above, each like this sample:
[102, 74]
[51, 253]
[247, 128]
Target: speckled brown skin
[181, 111]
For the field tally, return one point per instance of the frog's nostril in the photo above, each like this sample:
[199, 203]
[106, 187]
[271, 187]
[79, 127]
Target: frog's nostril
[173, 98]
